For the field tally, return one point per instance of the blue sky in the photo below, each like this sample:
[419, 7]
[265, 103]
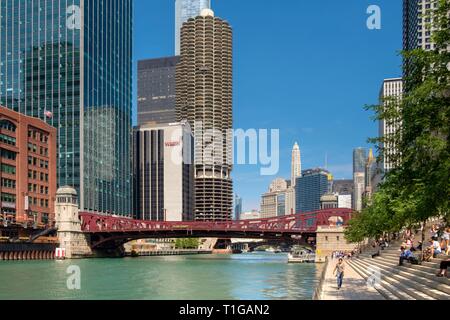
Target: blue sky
[304, 67]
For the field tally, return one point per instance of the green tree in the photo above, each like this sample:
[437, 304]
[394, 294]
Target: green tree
[187, 243]
[418, 188]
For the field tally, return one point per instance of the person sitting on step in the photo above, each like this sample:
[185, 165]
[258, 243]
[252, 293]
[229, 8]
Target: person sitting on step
[435, 247]
[407, 255]
[444, 266]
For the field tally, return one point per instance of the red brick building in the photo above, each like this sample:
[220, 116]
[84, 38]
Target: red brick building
[28, 169]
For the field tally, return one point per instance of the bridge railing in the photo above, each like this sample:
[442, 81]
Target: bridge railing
[94, 223]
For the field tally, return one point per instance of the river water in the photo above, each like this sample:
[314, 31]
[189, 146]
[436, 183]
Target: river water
[253, 276]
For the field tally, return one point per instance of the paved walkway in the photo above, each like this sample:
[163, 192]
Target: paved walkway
[354, 286]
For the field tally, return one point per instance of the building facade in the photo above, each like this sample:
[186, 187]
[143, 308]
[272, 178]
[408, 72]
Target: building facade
[156, 90]
[70, 64]
[329, 201]
[310, 187]
[28, 169]
[391, 92]
[345, 201]
[296, 164]
[251, 215]
[343, 187]
[237, 208]
[204, 97]
[163, 172]
[371, 171]
[359, 177]
[184, 10]
[274, 202]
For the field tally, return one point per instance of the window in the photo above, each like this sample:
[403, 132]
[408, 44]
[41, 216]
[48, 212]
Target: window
[7, 140]
[10, 155]
[44, 218]
[7, 125]
[8, 183]
[8, 169]
[7, 197]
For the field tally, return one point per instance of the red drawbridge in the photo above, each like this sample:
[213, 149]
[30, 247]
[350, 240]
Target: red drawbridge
[111, 232]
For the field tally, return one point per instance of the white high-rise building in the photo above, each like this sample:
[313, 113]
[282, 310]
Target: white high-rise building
[184, 10]
[391, 90]
[296, 164]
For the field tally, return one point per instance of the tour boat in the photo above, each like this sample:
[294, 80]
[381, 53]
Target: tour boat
[302, 256]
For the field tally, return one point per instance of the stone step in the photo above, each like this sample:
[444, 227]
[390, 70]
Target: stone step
[416, 253]
[401, 290]
[414, 288]
[429, 280]
[388, 295]
[431, 267]
[407, 267]
[384, 288]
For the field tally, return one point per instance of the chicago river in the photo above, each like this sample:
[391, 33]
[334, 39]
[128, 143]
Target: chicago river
[260, 276]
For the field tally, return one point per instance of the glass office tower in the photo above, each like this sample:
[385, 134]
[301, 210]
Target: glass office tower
[184, 10]
[69, 62]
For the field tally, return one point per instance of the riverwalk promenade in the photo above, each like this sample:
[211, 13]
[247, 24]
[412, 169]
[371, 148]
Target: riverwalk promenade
[354, 287]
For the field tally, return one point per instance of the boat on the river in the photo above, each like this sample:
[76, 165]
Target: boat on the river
[302, 256]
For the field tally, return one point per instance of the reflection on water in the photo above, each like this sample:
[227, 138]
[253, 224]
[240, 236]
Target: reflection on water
[254, 276]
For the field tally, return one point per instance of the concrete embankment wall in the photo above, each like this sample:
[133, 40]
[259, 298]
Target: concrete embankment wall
[26, 251]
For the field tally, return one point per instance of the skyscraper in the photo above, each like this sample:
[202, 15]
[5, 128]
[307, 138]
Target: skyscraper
[273, 203]
[204, 98]
[359, 169]
[296, 164]
[163, 172]
[391, 89]
[237, 207]
[416, 32]
[184, 10]
[310, 187]
[70, 64]
[370, 172]
[156, 90]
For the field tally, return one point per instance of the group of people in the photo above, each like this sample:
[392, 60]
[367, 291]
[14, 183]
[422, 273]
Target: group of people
[343, 255]
[438, 244]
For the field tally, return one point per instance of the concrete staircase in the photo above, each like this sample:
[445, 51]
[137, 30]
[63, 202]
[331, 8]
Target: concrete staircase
[410, 282]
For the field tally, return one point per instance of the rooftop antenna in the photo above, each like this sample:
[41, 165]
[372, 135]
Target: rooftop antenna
[326, 160]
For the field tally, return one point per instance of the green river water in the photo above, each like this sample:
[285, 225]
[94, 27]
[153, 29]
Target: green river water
[253, 276]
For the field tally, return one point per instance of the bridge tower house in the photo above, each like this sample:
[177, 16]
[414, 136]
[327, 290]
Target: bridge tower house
[71, 238]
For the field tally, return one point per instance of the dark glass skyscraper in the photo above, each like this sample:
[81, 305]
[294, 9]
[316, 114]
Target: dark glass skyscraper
[310, 188]
[69, 62]
[156, 90]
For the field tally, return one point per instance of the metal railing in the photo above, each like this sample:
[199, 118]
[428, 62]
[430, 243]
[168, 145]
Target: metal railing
[318, 292]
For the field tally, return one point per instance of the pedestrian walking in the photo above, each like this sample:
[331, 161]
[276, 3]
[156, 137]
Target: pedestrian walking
[339, 273]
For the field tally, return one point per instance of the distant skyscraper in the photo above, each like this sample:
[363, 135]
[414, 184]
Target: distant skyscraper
[156, 90]
[371, 167]
[359, 160]
[273, 203]
[184, 10]
[204, 85]
[310, 187]
[296, 164]
[343, 187]
[391, 89]
[69, 63]
[237, 207]
[359, 170]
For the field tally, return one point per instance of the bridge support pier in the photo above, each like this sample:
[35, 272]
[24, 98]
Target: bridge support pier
[71, 238]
